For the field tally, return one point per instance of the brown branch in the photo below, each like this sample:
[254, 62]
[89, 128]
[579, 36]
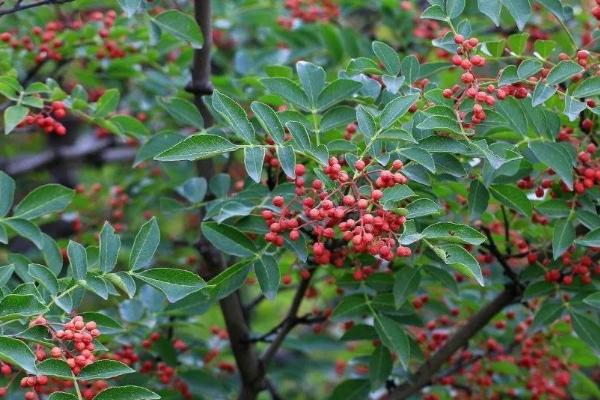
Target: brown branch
[508, 271]
[289, 322]
[426, 372]
[85, 148]
[20, 7]
[250, 367]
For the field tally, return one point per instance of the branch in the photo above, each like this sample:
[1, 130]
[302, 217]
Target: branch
[426, 372]
[508, 271]
[290, 321]
[20, 7]
[85, 147]
[251, 370]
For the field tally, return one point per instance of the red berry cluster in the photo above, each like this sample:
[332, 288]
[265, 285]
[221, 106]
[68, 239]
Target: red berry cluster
[76, 343]
[309, 11]
[46, 44]
[47, 119]
[572, 266]
[347, 212]
[75, 346]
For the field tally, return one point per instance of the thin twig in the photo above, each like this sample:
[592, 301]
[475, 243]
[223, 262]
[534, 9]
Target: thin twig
[20, 7]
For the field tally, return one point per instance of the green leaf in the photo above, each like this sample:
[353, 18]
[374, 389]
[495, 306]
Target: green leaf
[130, 6]
[553, 156]
[587, 88]
[230, 280]
[110, 243]
[555, 7]
[193, 189]
[517, 42]
[62, 395]
[174, 283]
[392, 335]
[128, 392]
[573, 107]
[451, 232]
[434, 12]
[529, 68]
[267, 273]
[397, 193]
[183, 111]
[26, 229]
[22, 305]
[411, 68]
[269, 120]
[156, 145]
[45, 277]
[287, 160]
[7, 193]
[454, 8]
[13, 116]
[478, 199]
[593, 300]
[299, 135]
[312, 78]
[104, 369]
[182, 26]
[587, 329]
[380, 366]
[17, 353]
[366, 123]
[197, 147]
[406, 281]
[351, 389]
[491, 8]
[145, 245]
[44, 200]
[541, 93]
[288, 90]
[107, 103]
[353, 305]
[463, 261]
[520, 10]
[254, 158]
[512, 198]
[129, 125]
[387, 56]
[422, 207]
[228, 239]
[563, 71]
[563, 237]
[336, 91]
[234, 115]
[396, 109]
[548, 312]
[440, 123]
[78, 260]
[590, 239]
[55, 368]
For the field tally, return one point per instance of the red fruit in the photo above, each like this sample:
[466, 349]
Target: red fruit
[300, 169]
[294, 235]
[278, 201]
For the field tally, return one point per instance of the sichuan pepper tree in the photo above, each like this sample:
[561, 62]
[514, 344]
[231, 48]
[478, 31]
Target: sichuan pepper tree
[299, 199]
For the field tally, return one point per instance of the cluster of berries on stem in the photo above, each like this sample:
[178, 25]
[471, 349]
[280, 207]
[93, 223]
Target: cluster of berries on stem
[350, 211]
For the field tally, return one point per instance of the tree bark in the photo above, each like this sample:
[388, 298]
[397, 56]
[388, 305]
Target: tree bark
[252, 374]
